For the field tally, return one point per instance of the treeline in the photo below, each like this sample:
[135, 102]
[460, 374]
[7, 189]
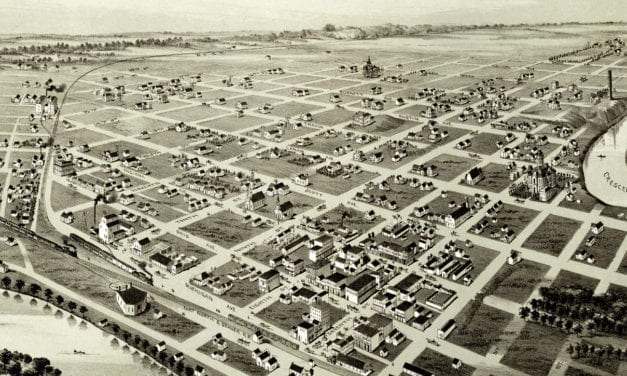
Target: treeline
[116, 45]
[389, 30]
[15, 363]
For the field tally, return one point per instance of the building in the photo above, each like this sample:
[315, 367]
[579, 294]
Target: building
[284, 210]
[319, 321]
[269, 280]
[541, 182]
[132, 301]
[320, 248]
[370, 70]
[64, 167]
[352, 364]
[446, 329]
[140, 246]
[111, 228]
[474, 176]
[363, 119]
[361, 289]
[457, 216]
[256, 201]
[412, 370]
[369, 335]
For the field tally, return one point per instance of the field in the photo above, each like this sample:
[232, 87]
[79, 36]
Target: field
[339, 185]
[301, 202]
[354, 219]
[552, 235]
[515, 217]
[516, 282]
[280, 168]
[607, 244]
[451, 166]
[496, 178]
[224, 229]
[440, 364]
[485, 143]
[479, 327]
[569, 279]
[63, 197]
[534, 351]
[385, 125]
[582, 201]
[232, 123]
[237, 356]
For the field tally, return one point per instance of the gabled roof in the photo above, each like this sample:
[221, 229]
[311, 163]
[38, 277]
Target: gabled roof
[132, 295]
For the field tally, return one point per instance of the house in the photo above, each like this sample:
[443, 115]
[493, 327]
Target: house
[296, 370]
[219, 355]
[363, 119]
[514, 258]
[199, 371]
[256, 201]
[372, 333]
[474, 176]
[353, 364]
[457, 217]
[597, 228]
[301, 179]
[132, 301]
[67, 217]
[412, 370]
[269, 280]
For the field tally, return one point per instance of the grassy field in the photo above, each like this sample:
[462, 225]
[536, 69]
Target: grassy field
[534, 351]
[238, 357]
[339, 185]
[516, 217]
[496, 177]
[194, 113]
[582, 201]
[516, 282]
[354, 219]
[451, 166]
[607, 244]
[385, 125]
[333, 117]
[569, 279]
[552, 234]
[185, 247]
[232, 123]
[440, 364]
[64, 197]
[479, 327]
[224, 228]
[485, 143]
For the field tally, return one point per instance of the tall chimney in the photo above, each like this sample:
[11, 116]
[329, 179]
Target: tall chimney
[609, 83]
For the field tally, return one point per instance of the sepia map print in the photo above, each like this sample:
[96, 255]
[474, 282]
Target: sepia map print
[290, 188]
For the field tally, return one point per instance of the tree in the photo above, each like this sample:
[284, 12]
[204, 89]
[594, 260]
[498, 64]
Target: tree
[6, 357]
[568, 325]
[6, 282]
[72, 306]
[329, 28]
[115, 328]
[189, 371]
[570, 349]
[577, 330]
[15, 369]
[48, 294]
[39, 364]
[35, 289]
[59, 299]
[19, 284]
[524, 312]
[82, 309]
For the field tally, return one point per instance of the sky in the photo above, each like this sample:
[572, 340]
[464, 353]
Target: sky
[111, 16]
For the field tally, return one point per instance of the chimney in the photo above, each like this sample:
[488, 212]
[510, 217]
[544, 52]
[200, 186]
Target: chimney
[609, 83]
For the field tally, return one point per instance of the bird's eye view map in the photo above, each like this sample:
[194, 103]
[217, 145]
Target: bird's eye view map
[290, 188]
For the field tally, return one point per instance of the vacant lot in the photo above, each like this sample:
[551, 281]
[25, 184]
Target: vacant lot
[301, 203]
[135, 125]
[224, 228]
[534, 351]
[607, 244]
[64, 197]
[99, 116]
[516, 282]
[334, 117]
[385, 125]
[231, 123]
[194, 113]
[575, 280]
[353, 219]
[496, 177]
[440, 364]
[485, 143]
[552, 235]
[339, 185]
[582, 201]
[291, 109]
[280, 168]
[479, 327]
[451, 166]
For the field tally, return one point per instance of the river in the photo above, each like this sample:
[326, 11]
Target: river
[605, 166]
[41, 333]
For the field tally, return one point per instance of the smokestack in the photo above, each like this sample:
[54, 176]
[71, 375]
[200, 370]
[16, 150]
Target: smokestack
[609, 83]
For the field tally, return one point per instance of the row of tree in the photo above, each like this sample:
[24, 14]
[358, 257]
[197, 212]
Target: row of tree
[585, 350]
[116, 45]
[15, 363]
[138, 342]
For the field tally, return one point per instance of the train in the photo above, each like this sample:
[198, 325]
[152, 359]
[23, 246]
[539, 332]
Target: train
[37, 238]
[108, 256]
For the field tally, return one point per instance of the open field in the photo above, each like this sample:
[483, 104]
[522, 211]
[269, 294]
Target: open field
[516, 282]
[451, 166]
[224, 228]
[606, 246]
[64, 197]
[440, 364]
[496, 177]
[479, 327]
[534, 351]
[514, 216]
[552, 235]
[570, 279]
[237, 356]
